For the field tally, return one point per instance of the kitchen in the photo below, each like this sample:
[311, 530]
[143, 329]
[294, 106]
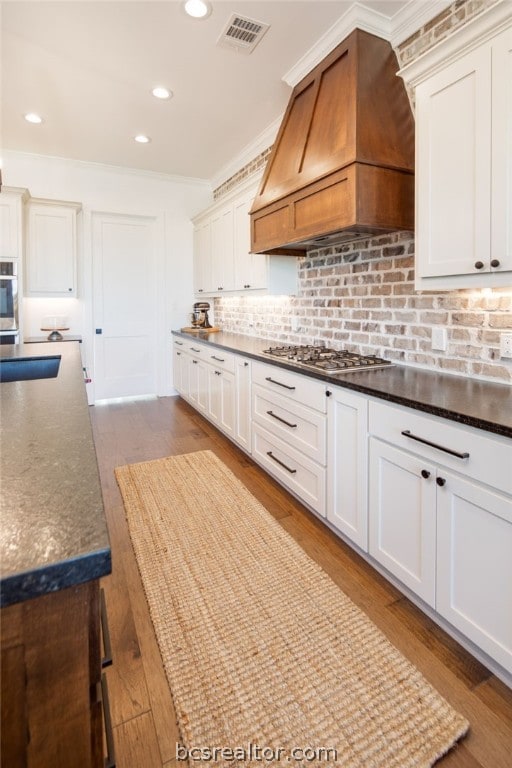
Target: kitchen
[360, 293]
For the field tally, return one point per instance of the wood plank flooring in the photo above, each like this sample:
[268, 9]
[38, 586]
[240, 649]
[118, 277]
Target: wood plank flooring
[145, 731]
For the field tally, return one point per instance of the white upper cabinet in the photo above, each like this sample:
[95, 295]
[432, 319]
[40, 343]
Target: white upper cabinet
[51, 248]
[223, 262]
[463, 93]
[12, 200]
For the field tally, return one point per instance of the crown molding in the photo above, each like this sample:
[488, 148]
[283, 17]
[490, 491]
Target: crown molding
[413, 16]
[116, 169]
[358, 16]
[482, 27]
[263, 141]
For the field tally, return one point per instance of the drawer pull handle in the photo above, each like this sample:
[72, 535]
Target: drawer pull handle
[107, 645]
[110, 760]
[273, 381]
[408, 433]
[179, 342]
[219, 359]
[293, 426]
[194, 349]
[282, 464]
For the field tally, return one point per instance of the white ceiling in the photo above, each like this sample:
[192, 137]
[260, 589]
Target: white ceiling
[88, 69]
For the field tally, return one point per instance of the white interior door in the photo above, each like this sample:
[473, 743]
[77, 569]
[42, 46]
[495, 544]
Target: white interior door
[124, 305]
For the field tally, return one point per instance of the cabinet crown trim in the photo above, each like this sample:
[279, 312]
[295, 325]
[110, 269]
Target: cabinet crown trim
[481, 28]
[46, 201]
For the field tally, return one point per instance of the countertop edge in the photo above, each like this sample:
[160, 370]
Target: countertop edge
[346, 383]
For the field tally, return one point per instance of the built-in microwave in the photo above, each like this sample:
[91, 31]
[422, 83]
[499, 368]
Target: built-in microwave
[9, 327]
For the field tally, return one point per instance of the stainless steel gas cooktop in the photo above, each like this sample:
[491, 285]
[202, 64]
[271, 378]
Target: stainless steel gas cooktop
[325, 359]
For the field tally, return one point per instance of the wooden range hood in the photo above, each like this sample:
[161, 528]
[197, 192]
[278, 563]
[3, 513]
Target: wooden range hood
[342, 165]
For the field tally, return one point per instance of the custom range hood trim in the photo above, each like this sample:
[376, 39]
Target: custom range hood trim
[342, 165]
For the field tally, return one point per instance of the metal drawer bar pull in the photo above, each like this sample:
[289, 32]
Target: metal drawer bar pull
[408, 433]
[107, 645]
[293, 426]
[194, 349]
[219, 359]
[179, 342]
[291, 471]
[273, 381]
[110, 760]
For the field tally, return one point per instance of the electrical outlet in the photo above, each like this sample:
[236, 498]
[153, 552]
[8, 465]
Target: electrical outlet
[506, 345]
[439, 339]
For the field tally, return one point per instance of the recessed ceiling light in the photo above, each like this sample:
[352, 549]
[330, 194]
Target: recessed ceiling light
[141, 139]
[31, 117]
[161, 93]
[198, 9]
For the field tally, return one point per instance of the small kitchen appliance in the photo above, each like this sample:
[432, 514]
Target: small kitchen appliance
[200, 315]
[320, 358]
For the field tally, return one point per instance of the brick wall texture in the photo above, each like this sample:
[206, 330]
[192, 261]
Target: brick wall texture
[361, 296]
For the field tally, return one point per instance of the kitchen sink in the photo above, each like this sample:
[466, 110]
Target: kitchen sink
[25, 368]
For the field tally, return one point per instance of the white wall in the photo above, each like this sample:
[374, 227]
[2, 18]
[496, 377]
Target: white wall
[173, 200]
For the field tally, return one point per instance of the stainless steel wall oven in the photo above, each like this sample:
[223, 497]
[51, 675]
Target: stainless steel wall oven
[9, 325]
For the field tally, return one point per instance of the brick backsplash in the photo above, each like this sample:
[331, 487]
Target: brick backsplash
[360, 296]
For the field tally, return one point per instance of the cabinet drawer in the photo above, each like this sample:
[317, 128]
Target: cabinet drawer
[466, 450]
[300, 427]
[295, 386]
[305, 478]
[220, 359]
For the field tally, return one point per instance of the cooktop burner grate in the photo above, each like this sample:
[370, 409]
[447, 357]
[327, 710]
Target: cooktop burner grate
[325, 359]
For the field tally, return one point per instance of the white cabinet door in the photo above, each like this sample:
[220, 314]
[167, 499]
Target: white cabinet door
[202, 258]
[453, 134]
[51, 249]
[251, 270]
[501, 235]
[180, 371]
[223, 272]
[221, 403]
[402, 517]
[474, 571]
[242, 433]
[198, 384]
[11, 222]
[347, 465]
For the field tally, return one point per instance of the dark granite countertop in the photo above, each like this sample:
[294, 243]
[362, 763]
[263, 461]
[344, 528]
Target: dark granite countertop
[481, 404]
[53, 531]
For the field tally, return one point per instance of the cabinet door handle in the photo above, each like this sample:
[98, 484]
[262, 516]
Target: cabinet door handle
[328, 393]
[193, 349]
[408, 433]
[273, 381]
[180, 343]
[479, 265]
[200, 290]
[440, 481]
[110, 760]
[179, 354]
[281, 463]
[425, 474]
[220, 288]
[246, 364]
[283, 421]
[218, 373]
[107, 645]
[218, 359]
[194, 362]
[495, 263]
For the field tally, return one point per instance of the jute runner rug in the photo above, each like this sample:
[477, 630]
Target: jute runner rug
[268, 661]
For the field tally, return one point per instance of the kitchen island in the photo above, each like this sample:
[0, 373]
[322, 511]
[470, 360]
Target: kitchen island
[54, 547]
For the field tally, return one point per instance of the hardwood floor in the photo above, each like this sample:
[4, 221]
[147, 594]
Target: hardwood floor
[145, 731]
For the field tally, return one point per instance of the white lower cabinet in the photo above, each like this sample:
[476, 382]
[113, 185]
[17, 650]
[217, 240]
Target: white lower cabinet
[440, 520]
[289, 431]
[474, 564]
[402, 517]
[347, 461]
[426, 498]
[243, 421]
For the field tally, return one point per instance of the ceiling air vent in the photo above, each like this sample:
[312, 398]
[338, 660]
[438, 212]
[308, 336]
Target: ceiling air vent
[242, 33]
